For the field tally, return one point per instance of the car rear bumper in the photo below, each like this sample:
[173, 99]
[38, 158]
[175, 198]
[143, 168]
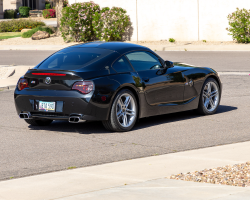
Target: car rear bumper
[68, 103]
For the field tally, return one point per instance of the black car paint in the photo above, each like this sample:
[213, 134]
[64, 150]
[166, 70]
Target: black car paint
[158, 91]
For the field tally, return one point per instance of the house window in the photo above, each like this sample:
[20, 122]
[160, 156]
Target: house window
[29, 3]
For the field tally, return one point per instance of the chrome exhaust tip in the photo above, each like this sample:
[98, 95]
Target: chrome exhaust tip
[74, 119]
[24, 115]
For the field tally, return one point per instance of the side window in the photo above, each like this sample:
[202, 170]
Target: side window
[122, 65]
[142, 61]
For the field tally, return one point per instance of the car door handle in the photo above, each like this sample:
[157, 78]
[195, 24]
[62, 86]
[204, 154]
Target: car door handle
[145, 79]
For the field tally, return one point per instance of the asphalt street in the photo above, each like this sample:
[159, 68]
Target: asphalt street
[220, 61]
[27, 150]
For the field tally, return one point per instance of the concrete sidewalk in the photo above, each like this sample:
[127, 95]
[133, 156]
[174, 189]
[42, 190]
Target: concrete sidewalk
[189, 47]
[143, 178]
[9, 79]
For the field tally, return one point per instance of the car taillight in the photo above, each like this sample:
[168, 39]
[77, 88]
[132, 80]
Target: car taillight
[84, 87]
[22, 83]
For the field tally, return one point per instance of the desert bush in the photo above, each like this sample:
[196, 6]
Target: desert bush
[49, 13]
[115, 23]
[81, 22]
[171, 40]
[10, 14]
[18, 25]
[47, 6]
[28, 34]
[24, 11]
[65, 3]
[239, 25]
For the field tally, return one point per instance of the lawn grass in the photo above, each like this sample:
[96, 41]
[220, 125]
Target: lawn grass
[7, 35]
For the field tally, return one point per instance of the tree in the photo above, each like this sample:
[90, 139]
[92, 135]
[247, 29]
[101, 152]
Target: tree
[59, 7]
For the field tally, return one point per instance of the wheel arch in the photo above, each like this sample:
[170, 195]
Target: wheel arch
[134, 91]
[216, 78]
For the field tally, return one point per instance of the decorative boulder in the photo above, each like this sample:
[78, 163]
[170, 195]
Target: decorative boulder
[25, 30]
[40, 35]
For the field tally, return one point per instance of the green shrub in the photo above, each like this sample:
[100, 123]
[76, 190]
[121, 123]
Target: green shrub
[10, 14]
[65, 3]
[81, 22]
[115, 23]
[24, 11]
[18, 25]
[171, 40]
[204, 40]
[239, 22]
[47, 6]
[28, 34]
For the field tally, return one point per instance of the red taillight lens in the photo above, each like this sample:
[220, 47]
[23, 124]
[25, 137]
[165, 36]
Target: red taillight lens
[22, 83]
[84, 87]
[48, 74]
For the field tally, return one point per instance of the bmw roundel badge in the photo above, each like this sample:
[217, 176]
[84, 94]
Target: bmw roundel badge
[47, 80]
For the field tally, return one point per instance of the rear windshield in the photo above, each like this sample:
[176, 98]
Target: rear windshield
[73, 58]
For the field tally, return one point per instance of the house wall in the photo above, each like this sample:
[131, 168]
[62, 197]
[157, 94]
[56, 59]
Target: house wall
[11, 4]
[183, 20]
[1, 9]
[14, 4]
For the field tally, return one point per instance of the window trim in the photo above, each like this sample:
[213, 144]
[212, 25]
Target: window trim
[133, 70]
[159, 58]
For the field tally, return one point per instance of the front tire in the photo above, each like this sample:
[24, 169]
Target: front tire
[124, 112]
[209, 97]
[34, 122]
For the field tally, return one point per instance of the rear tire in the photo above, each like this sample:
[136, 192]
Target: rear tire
[124, 112]
[34, 122]
[209, 97]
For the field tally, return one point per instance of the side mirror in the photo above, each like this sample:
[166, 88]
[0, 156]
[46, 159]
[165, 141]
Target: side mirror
[169, 64]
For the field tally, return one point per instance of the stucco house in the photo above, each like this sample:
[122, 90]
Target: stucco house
[1, 9]
[14, 4]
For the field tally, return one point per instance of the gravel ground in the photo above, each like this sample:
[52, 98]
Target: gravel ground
[236, 175]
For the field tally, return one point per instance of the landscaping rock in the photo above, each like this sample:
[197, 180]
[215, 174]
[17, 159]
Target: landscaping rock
[25, 30]
[40, 35]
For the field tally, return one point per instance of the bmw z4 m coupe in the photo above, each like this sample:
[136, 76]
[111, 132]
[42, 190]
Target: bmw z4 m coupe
[113, 82]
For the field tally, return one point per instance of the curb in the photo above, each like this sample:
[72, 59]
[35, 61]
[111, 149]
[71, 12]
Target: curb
[10, 72]
[10, 87]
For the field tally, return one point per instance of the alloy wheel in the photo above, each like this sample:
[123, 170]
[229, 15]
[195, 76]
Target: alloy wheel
[126, 110]
[210, 96]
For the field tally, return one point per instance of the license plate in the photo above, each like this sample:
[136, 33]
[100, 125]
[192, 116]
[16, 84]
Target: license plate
[47, 106]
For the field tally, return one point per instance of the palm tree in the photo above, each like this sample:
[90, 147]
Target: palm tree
[59, 7]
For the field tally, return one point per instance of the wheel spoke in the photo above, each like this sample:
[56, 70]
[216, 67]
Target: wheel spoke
[214, 93]
[209, 88]
[119, 114]
[125, 120]
[206, 103]
[211, 102]
[120, 102]
[127, 101]
[205, 94]
[130, 112]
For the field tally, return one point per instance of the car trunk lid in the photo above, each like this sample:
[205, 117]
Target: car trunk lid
[51, 79]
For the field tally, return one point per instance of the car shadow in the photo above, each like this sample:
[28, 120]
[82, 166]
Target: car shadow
[175, 117]
[96, 127]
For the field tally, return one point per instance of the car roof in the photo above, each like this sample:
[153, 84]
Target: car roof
[120, 47]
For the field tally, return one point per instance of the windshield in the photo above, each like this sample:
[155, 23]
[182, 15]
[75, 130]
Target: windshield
[73, 58]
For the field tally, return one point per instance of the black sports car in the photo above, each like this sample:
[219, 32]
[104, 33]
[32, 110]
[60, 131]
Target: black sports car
[113, 82]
